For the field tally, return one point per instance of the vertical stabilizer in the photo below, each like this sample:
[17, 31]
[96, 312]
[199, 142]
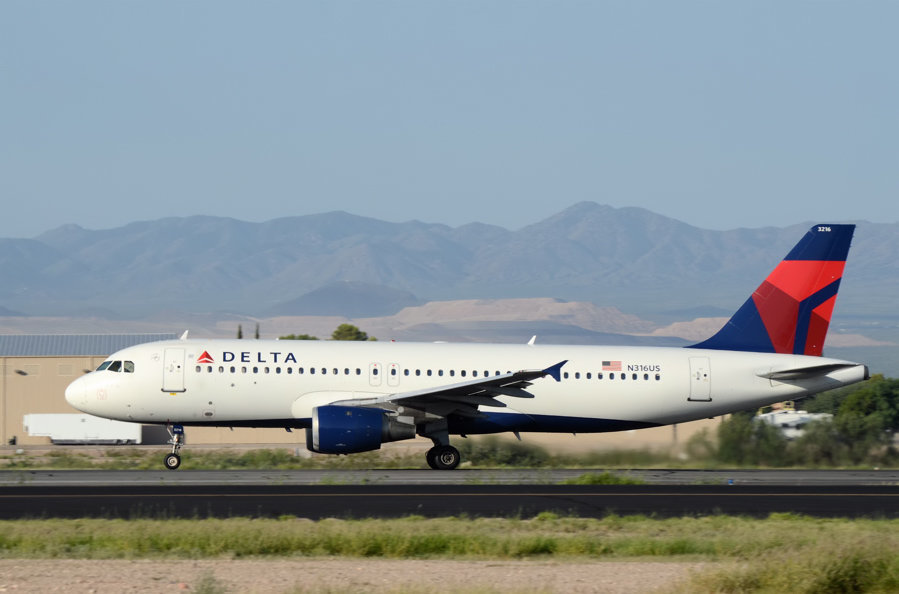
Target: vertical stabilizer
[791, 309]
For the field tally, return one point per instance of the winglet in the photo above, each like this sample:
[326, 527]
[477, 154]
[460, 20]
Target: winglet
[555, 371]
[184, 336]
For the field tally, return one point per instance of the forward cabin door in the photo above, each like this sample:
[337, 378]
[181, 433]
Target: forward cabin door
[700, 380]
[173, 370]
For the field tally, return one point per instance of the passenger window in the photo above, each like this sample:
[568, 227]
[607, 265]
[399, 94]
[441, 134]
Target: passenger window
[128, 366]
[233, 369]
[598, 376]
[393, 371]
[346, 371]
[658, 377]
[645, 376]
[565, 375]
[440, 372]
[589, 376]
[290, 371]
[199, 369]
[418, 373]
[255, 370]
[335, 371]
[429, 373]
[452, 373]
[611, 376]
[577, 375]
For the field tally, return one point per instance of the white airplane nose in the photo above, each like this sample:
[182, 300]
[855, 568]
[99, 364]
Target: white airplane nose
[75, 394]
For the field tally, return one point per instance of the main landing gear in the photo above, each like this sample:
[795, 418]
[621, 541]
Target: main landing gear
[173, 461]
[443, 457]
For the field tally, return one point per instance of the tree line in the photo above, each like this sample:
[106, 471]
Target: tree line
[342, 332]
[861, 432]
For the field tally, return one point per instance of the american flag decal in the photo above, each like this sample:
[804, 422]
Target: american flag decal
[611, 365]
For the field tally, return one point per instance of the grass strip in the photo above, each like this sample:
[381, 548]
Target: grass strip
[547, 535]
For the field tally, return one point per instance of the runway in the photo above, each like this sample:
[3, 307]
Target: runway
[387, 494]
[183, 476]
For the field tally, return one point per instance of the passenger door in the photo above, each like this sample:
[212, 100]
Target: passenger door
[173, 370]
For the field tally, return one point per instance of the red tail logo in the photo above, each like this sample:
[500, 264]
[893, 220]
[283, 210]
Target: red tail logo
[791, 309]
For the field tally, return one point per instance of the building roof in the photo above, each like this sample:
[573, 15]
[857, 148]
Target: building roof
[71, 345]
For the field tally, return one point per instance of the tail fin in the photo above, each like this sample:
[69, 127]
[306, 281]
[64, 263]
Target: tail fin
[791, 309]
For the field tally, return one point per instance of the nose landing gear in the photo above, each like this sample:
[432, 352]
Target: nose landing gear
[173, 461]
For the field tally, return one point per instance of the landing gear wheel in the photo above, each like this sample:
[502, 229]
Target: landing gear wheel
[443, 457]
[430, 458]
[173, 461]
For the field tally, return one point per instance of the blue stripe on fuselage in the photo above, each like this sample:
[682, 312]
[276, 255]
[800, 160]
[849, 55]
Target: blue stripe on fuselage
[496, 422]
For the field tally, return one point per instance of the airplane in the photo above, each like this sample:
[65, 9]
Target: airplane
[355, 396]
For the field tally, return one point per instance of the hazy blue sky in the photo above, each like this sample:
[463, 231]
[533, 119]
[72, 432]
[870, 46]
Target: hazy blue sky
[720, 114]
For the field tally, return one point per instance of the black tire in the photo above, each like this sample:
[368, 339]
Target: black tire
[445, 457]
[430, 458]
[172, 461]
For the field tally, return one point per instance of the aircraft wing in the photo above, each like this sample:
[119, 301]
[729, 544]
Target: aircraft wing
[464, 398]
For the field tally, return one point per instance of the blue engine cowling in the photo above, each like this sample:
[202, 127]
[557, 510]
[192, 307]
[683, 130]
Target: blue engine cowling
[350, 429]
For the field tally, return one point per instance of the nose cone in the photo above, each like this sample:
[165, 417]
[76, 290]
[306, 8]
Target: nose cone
[75, 394]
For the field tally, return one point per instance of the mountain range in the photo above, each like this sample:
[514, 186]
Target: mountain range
[341, 264]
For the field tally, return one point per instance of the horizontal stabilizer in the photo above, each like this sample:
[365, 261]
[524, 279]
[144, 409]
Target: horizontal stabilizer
[807, 372]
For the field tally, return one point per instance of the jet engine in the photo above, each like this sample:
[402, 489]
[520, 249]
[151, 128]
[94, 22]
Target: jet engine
[350, 429]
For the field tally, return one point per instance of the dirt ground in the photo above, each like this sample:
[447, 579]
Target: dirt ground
[338, 575]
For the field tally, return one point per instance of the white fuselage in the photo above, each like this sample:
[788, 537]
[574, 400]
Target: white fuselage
[278, 383]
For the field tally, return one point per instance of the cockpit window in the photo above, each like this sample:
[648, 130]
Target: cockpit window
[117, 366]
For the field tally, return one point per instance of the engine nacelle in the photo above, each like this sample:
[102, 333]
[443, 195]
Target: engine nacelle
[350, 429]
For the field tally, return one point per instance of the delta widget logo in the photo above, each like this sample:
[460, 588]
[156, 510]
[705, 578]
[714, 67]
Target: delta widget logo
[205, 358]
